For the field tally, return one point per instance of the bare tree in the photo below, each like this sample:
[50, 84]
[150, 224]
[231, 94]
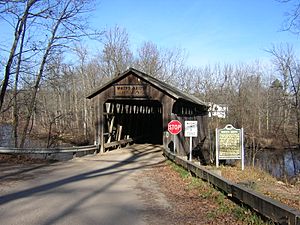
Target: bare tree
[165, 64]
[149, 59]
[292, 17]
[288, 69]
[116, 55]
[56, 25]
[241, 90]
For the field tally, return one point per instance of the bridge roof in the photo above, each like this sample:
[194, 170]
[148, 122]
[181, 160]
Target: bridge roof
[162, 86]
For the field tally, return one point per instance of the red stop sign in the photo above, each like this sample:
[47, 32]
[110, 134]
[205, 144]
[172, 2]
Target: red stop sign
[174, 127]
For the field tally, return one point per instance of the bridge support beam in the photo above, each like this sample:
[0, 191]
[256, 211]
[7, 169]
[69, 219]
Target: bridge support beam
[101, 127]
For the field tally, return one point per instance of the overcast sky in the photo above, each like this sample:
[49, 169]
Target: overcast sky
[211, 31]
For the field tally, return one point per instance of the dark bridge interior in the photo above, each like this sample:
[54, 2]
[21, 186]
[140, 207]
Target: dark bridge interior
[140, 120]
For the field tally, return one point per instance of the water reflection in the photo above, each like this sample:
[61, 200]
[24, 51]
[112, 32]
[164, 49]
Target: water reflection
[279, 163]
[7, 140]
[6, 135]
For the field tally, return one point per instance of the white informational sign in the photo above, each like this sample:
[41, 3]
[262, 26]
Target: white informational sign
[230, 144]
[190, 129]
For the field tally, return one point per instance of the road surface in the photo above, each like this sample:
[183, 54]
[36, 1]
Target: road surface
[102, 189]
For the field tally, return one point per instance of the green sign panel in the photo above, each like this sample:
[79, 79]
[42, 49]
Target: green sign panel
[229, 143]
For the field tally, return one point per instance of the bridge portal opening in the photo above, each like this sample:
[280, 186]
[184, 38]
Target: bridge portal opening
[139, 120]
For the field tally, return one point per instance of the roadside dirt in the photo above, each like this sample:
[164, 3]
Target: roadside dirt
[182, 201]
[19, 159]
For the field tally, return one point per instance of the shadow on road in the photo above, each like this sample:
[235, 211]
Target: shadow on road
[18, 173]
[149, 152]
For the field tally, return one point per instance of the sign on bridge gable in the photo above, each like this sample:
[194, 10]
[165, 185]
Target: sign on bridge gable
[129, 90]
[229, 144]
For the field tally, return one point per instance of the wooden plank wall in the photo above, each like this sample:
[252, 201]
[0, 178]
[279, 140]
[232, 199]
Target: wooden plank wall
[110, 117]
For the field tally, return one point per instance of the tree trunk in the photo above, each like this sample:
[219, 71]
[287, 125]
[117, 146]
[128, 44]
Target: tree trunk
[39, 77]
[18, 32]
[15, 91]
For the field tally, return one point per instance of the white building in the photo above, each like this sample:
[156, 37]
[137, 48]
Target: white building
[217, 110]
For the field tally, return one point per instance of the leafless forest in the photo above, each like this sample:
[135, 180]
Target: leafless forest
[43, 90]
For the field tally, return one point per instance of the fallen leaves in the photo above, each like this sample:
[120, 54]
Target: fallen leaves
[194, 201]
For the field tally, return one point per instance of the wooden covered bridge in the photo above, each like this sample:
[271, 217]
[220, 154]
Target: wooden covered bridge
[136, 107]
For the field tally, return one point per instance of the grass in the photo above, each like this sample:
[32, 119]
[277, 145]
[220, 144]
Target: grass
[224, 206]
[249, 174]
[181, 171]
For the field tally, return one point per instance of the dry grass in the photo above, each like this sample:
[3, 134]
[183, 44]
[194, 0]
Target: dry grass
[264, 183]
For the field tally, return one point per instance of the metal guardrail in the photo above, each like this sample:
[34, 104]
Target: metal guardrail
[74, 149]
[268, 207]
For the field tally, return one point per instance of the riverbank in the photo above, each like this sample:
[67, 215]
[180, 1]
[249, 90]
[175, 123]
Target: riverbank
[262, 182]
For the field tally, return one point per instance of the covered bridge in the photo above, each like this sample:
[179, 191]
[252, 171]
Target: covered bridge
[137, 107]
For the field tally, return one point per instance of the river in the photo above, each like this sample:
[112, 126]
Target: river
[6, 135]
[283, 164]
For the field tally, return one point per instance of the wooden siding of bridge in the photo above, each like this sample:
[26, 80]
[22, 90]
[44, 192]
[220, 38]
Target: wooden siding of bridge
[139, 107]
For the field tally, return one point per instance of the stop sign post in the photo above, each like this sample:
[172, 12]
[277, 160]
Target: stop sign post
[174, 127]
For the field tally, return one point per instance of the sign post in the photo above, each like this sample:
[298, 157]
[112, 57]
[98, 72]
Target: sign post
[174, 127]
[230, 144]
[190, 130]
